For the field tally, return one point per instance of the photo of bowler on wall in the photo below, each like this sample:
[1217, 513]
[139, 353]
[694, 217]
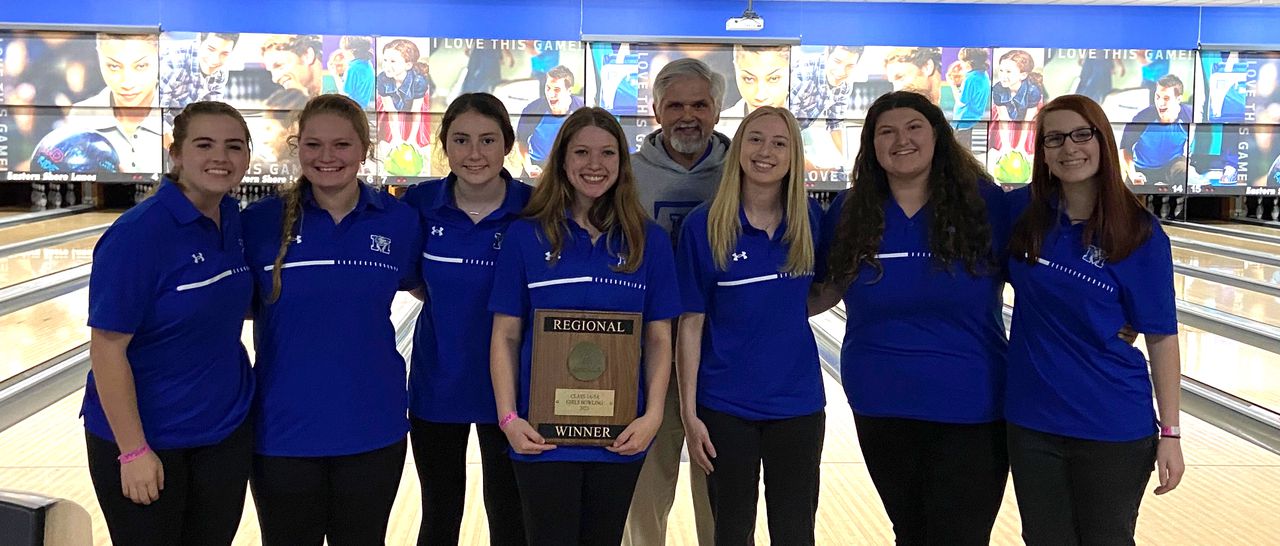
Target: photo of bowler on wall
[83, 104]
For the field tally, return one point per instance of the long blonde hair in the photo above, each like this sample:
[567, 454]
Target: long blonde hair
[291, 194]
[617, 213]
[723, 225]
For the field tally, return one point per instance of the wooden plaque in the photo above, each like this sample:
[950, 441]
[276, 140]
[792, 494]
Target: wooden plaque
[584, 381]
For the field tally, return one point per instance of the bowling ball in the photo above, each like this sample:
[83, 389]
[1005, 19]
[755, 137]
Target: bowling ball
[404, 160]
[1013, 168]
[71, 150]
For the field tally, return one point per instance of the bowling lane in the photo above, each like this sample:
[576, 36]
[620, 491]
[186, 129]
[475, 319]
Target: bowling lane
[1227, 265]
[1255, 229]
[1242, 370]
[37, 333]
[1271, 249]
[32, 264]
[1228, 299]
[54, 226]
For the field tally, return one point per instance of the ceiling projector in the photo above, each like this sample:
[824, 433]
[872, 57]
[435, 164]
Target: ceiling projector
[746, 22]
[749, 21]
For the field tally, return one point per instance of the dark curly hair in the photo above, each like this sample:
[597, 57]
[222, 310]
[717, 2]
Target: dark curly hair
[960, 231]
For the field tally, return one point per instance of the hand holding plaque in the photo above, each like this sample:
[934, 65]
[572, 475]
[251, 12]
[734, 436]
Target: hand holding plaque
[584, 383]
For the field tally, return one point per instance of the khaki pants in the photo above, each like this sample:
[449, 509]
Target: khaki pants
[656, 489]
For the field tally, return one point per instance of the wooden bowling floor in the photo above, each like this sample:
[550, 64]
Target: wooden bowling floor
[1227, 497]
[1252, 245]
[32, 335]
[54, 226]
[24, 266]
[1245, 269]
[1271, 230]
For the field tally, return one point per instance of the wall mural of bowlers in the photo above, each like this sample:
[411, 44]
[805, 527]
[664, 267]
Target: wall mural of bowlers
[1147, 90]
[833, 86]
[86, 106]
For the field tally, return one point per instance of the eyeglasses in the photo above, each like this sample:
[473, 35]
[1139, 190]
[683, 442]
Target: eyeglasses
[1078, 136]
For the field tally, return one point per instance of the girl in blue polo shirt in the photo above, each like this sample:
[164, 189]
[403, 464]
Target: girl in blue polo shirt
[1086, 259]
[466, 217]
[328, 256]
[584, 244]
[164, 409]
[745, 347]
[913, 253]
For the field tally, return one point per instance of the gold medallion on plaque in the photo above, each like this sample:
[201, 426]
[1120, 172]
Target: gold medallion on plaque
[586, 361]
[584, 375]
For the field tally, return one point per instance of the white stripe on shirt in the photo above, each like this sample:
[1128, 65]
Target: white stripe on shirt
[1077, 275]
[751, 280]
[287, 265]
[207, 282]
[764, 278]
[553, 282]
[890, 255]
[465, 261]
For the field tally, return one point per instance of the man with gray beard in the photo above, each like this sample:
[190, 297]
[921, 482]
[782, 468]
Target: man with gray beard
[677, 168]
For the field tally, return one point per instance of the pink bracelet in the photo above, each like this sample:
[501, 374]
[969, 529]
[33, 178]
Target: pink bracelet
[507, 419]
[126, 458]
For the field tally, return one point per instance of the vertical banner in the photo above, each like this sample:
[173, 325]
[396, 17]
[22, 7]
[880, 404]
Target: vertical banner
[1238, 87]
[1235, 148]
[404, 91]
[1017, 94]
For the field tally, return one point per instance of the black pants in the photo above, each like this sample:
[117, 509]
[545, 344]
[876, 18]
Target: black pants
[303, 500]
[576, 504]
[1072, 491]
[941, 483]
[202, 500]
[790, 450]
[440, 453]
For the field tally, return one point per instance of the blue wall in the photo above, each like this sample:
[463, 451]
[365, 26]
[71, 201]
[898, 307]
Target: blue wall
[812, 22]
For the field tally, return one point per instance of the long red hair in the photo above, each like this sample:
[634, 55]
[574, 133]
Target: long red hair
[1119, 223]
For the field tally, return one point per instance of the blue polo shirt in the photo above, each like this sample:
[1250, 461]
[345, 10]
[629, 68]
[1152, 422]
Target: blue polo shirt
[449, 376]
[1069, 374]
[759, 360]
[921, 342]
[526, 280]
[167, 274]
[330, 379]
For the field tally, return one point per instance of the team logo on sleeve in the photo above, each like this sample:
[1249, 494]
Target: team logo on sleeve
[739, 255]
[1095, 256]
[380, 244]
[197, 257]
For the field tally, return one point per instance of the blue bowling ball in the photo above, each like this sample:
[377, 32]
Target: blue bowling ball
[72, 150]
